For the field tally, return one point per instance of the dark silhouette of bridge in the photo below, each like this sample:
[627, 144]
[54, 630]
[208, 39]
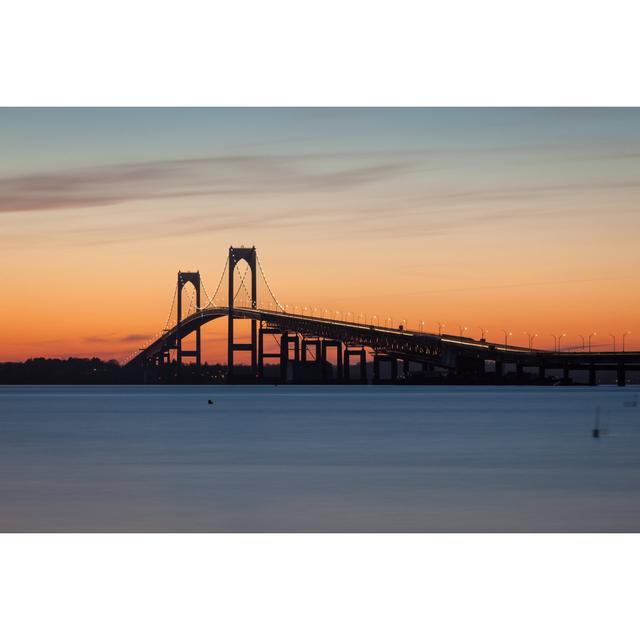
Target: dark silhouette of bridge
[307, 338]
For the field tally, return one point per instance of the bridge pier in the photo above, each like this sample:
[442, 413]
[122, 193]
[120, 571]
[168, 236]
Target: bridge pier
[327, 344]
[284, 356]
[361, 353]
[310, 343]
[377, 359]
[264, 331]
[285, 343]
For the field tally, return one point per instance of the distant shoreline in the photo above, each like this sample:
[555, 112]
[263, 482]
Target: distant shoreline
[94, 371]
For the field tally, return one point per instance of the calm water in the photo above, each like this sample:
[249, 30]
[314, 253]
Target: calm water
[318, 459]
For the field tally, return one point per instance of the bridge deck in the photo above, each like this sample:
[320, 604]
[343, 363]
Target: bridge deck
[417, 346]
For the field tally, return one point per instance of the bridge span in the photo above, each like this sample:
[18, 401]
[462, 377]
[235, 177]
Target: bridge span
[307, 341]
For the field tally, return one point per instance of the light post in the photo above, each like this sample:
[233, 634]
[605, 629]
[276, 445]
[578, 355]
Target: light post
[403, 324]
[363, 316]
[556, 340]
[624, 335]
[372, 319]
[591, 336]
[441, 326]
[482, 333]
[562, 335]
[390, 321]
[581, 338]
[421, 325]
[506, 336]
[614, 342]
[462, 330]
[532, 336]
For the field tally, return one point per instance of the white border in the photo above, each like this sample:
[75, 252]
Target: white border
[335, 52]
[319, 586]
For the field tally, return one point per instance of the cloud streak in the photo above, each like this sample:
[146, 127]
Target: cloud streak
[112, 337]
[223, 175]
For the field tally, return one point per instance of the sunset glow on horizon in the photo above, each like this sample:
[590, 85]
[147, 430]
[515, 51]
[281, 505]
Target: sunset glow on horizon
[516, 220]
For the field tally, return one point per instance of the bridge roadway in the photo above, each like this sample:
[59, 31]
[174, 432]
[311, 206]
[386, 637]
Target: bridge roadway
[458, 354]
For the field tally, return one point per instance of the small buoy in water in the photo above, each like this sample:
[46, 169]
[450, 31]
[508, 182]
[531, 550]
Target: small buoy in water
[209, 401]
[595, 433]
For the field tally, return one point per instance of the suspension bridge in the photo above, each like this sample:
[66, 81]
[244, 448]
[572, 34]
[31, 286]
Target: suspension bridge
[309, 340]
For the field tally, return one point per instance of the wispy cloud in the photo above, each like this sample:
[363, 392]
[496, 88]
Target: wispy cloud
[113, 337]
[223, 175]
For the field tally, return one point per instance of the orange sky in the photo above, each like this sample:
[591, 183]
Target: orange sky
[526, 220]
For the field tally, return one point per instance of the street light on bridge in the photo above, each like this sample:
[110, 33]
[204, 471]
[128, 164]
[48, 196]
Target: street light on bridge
[614, 341]
[462, 330]
[556, 340]
[482, 332]
[624, 335]
[441, 326]
[581, 338]
[506, 335]
[532, 336]
[591, 336]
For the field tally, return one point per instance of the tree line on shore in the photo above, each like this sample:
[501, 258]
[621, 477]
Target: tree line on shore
[97, 371]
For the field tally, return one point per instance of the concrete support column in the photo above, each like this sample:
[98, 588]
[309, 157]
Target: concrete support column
[296, 346]
[363, 366]
[260, 352]
[305, 344]
[326, 344]
[284, 356]
[347, 366]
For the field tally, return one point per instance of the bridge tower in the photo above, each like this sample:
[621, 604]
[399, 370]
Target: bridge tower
[237, 254]
[184, 277]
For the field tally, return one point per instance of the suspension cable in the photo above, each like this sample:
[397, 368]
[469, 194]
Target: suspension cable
[212, 299]
[267, 283]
